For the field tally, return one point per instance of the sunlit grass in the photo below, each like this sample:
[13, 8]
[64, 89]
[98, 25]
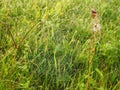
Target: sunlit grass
[45, 45]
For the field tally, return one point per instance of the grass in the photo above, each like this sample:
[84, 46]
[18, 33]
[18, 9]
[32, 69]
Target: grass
[45, 45]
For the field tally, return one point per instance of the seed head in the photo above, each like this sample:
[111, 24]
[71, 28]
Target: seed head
[94, 13]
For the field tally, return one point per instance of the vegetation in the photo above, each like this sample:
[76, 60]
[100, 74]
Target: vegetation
[46, 45]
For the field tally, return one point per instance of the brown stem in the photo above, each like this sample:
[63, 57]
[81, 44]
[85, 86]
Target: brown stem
[11, 35]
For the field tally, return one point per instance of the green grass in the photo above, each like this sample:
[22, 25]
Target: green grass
[44, 45]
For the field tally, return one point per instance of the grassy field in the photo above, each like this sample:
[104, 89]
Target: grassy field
[47, 45]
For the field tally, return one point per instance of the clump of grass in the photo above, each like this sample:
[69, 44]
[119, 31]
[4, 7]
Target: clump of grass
[44, 44]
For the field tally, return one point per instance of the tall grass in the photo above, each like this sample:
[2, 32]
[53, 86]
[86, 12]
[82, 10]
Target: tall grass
[45, 45]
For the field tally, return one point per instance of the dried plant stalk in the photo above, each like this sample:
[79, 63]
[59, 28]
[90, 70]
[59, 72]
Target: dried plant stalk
[96, 31]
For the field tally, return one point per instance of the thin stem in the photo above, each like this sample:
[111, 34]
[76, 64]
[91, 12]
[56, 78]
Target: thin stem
[15, 44]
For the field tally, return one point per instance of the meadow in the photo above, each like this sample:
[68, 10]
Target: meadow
[46, 45]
